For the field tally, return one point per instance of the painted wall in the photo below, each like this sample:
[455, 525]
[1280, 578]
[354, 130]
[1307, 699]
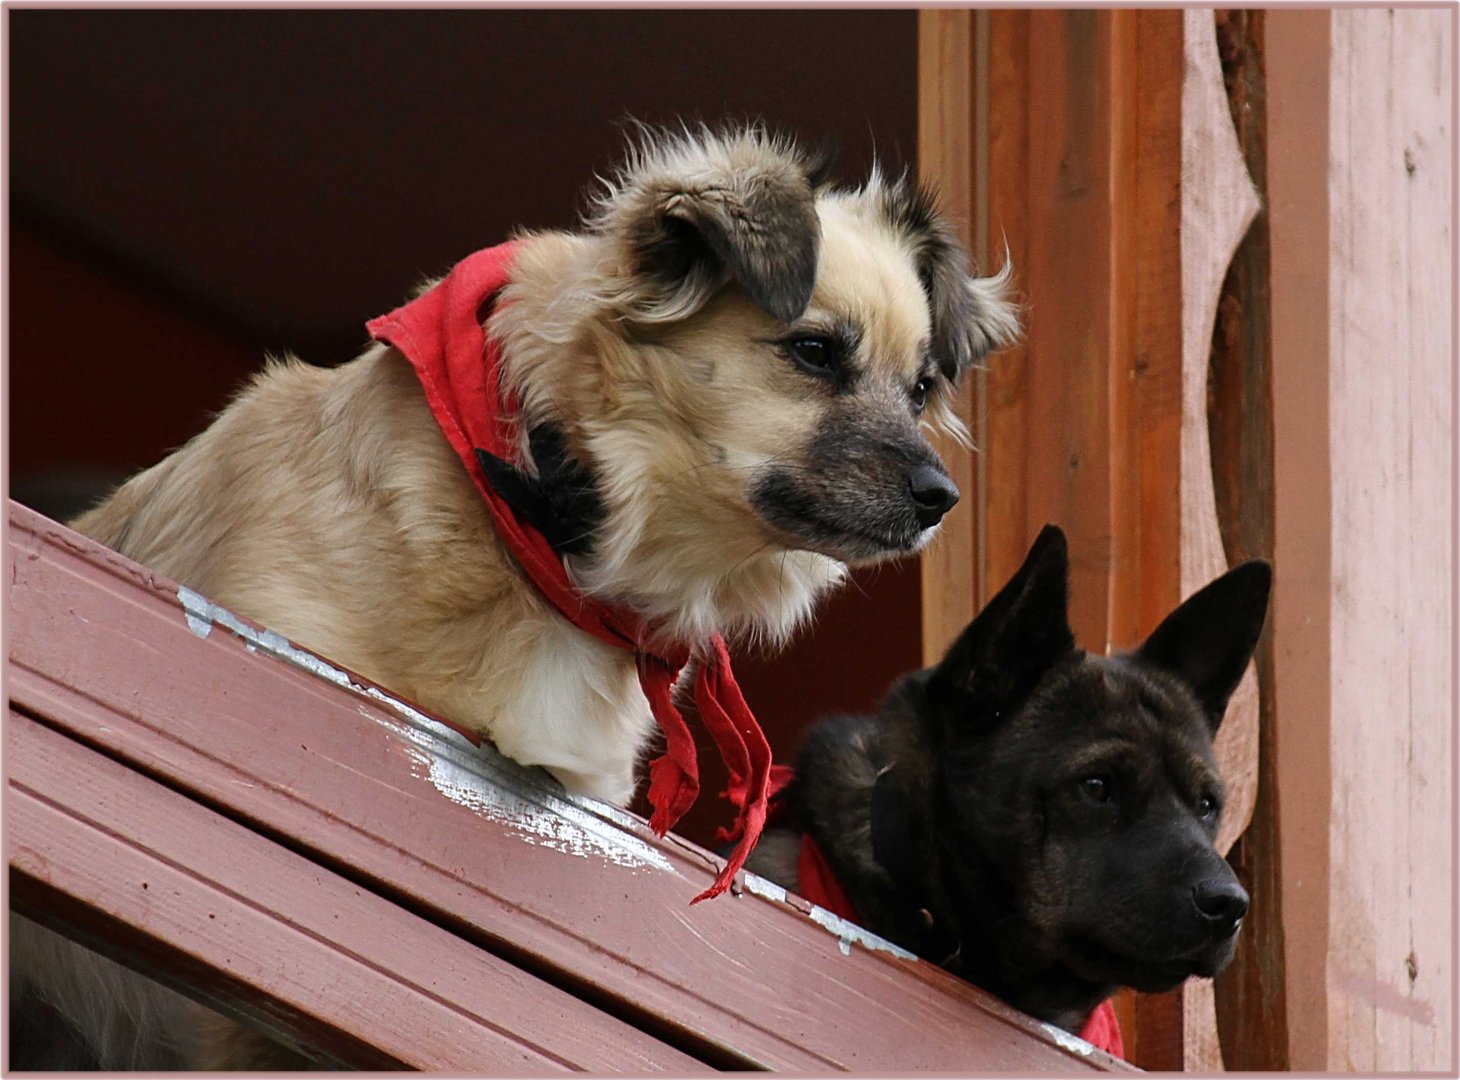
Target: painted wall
[1391, 390]
[1361, 180]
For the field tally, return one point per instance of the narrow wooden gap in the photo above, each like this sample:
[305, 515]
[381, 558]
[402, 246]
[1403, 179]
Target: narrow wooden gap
[1251, 1010]
[1126, 168]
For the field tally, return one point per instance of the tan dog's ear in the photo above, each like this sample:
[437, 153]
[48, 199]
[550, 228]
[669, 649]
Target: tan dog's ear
[972, 316]
[694, 211]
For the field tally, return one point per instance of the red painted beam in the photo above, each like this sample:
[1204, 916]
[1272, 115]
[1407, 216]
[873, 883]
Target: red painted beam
[121, 861]
[578, 894]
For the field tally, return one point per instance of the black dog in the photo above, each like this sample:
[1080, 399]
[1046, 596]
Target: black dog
[1033, 818]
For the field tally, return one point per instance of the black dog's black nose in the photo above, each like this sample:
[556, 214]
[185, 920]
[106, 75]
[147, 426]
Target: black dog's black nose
[933, 492]
[1222, 904]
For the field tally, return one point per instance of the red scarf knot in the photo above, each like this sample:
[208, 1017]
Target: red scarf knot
[441, 334]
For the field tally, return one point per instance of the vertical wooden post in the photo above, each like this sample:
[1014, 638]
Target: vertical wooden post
[1054, 457]
[1391, 146]
[1298, 86]
[946, 157]
[1084, 419]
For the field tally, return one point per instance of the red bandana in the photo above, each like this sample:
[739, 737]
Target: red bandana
[1102, 1030]
[441, 334]
[817, 882]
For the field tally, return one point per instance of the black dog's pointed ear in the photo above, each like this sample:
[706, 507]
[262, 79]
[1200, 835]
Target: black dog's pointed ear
[1209, 639]
[1008, 647]
[694, 211]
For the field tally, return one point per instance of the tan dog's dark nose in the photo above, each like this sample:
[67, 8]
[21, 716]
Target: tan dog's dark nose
[933, 492]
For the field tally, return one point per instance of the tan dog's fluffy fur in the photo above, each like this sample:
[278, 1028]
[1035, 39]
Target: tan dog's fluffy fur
[737, 478]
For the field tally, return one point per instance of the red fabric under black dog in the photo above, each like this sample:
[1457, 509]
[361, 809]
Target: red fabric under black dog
[817, 882]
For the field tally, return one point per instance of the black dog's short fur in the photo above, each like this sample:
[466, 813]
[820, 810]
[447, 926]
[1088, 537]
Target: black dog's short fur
[1037, 819]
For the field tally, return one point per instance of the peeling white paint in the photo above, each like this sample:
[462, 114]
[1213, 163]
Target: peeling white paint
[535, 823]
[1062, 1038]
[764, 887]
[526, 800]
[845, 932]
[196, 609]
[202, 614]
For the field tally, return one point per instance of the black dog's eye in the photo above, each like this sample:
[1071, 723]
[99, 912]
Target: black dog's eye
[1096, 789]
[1208, 807]
[816, 355]
[920, 395]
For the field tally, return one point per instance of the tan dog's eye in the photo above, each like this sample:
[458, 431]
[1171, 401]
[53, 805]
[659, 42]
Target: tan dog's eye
[919, 395]
[819, 356]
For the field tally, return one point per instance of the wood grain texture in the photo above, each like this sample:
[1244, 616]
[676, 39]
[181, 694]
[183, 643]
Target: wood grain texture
[273, 937]
[1004, 409]
[946, 159]
[571, 892]
[1084, 420]
[1298, 131]
[1147, 585]
[1390, 948]
[1052, 166]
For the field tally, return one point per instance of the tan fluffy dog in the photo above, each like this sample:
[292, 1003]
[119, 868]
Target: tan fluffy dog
[737, 360]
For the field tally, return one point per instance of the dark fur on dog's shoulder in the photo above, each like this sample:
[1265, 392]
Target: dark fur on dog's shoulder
[1037, 819]
[561, 501]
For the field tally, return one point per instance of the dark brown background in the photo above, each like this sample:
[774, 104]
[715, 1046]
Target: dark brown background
[192, 189]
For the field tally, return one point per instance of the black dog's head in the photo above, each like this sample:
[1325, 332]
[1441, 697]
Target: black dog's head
[1088, 784]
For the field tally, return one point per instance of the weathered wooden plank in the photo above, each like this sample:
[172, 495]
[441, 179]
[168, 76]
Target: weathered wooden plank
[1084, 420]
[1059, 459]
[1146, 582]
[567, 889]
[1150, 587]
[100, 851]
[945, 157]
[1391, 154]
[1005, 535]
[1297, 190]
